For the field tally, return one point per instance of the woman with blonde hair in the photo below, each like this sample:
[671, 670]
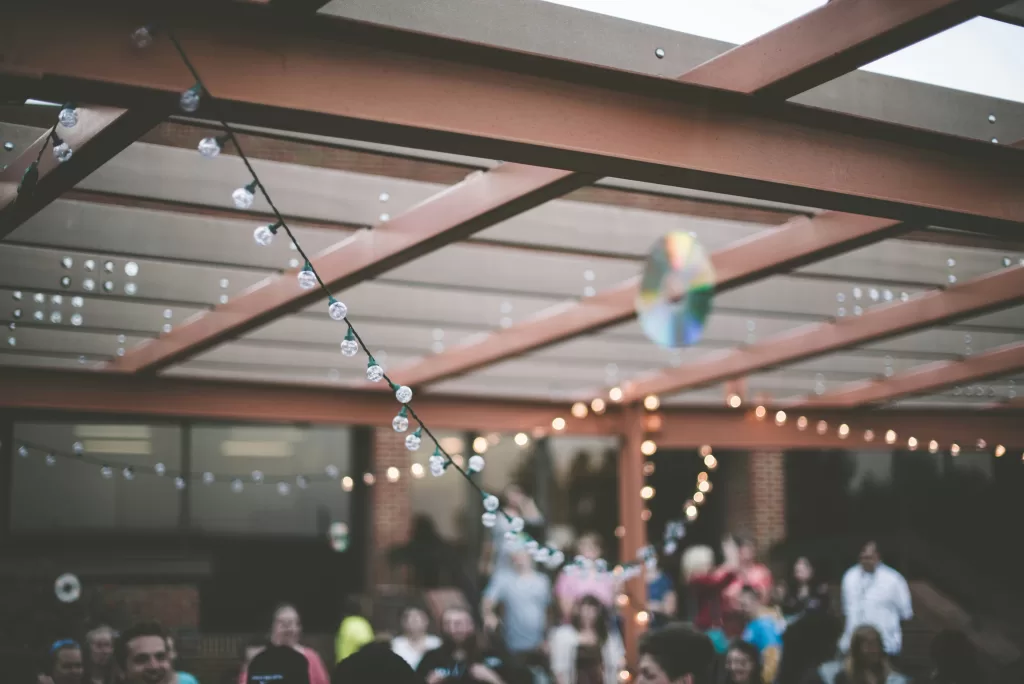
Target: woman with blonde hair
[705, 584]
[867, 662]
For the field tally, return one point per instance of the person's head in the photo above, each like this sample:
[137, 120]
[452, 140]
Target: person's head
[749, 601]
[866, 651]
[414, 621]
[457, 626]
[100, 643]
[286, 629]
[676, 654]
[869, 556]
[803, 571]
[66, 662]
[747, 550]
[589, 546]
[589, 613]
[141, 654]
[280, 665]
[522, 561]
[807, 643]
[742, 664]
[954, 658]
[696, 561]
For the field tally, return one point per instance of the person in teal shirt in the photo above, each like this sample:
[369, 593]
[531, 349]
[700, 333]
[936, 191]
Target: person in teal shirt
[763, 631]
[179, 677]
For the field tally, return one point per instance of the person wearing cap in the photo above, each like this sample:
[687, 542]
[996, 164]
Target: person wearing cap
[286, 630]
[278, 665]
[65, 663]
[374, 663]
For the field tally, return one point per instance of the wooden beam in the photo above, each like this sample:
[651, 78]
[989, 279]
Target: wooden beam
[30, 392]
[404, 88]
[830, 41]
[101, 133]
[800, 241]
[924, 379]
[481, 200]
[972, 298]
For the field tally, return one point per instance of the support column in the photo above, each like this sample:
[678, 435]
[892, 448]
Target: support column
[755, 489]
[634, 529]
[390, 505]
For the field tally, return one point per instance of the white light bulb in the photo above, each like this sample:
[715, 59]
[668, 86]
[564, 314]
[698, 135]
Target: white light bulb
[301, 482]
[55, 317]
[189, 100]
[437, 465]
[283, 488]
[476, 463]
[209, 147]
[517, 524]
[488, 519]
[400, 423]
[403, 394]
[263, 236]
[62, 152]
[208, 478]
[160, 469]
[107, 472]
[257, 476]
[349, 347]
[374, 373]
[237, 485]
[332, 471]
[337, 310]
[142, 37]
[412, 442]
[51, 460]
[89, 284]
[76, 319]
[77, 302]
[243, 198]
[307, 279]
[491, 503]
[128, 473]
[179, 482]
[23, 451]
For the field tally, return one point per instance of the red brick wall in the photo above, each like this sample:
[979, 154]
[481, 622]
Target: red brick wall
[755, 491]
[175, 606]
[390, 505]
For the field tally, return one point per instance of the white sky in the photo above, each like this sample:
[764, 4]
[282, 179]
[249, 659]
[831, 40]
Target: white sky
[980, 56]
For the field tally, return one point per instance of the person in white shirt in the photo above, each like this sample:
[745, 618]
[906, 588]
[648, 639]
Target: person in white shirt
[414, 640]
[874, 594]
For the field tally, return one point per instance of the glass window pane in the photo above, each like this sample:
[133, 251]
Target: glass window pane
[68, 490]
[281, 454]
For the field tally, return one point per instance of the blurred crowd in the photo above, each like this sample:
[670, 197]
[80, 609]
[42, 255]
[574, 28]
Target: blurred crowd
[722, 619]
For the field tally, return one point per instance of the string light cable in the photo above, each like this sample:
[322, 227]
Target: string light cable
[62, 152]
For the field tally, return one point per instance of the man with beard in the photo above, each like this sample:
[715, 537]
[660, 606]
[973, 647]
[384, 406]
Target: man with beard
[460, 658]
[142, 656]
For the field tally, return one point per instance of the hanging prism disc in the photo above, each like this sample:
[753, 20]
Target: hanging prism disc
[676, 290]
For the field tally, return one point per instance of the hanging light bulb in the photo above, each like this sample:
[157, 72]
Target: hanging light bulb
[822, 427]
[283, 488]
[244, 197]
[760, 412]
[521, 439]
[597, 405]
[349, 346]
[332, 471]
[780, 418]
[933, 446]
[652, 402]
[412, 442]
[912, 443]
[579, 410]
[237, 486]
[142, 37]
[307, 278]
[710, 461]
[264, 235]
[615, 394]
[128, 473]
[844, 431]
[160, 469]
[68, 116]
[869, 435]
[954, 449]
[890, 436]
[374, 372]
[735, 401]
[801, 423]
[488, 519]
[61, 150]
[211, 146]
[648, 447]
[400, 423]
[336, 310]
[179, 483]
[491, 503]
[402, 393]
[107, 472]
[437, 463]
[476, 463]
[558, 423]
[189, 100]
[999, 451]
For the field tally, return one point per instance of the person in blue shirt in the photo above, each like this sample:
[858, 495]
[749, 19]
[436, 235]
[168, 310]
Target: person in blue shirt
[661, 597]
[763, 631]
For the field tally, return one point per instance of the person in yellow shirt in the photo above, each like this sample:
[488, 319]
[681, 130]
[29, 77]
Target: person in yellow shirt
[354, 632]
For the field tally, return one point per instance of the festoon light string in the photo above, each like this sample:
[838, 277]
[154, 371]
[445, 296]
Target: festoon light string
[62, 152]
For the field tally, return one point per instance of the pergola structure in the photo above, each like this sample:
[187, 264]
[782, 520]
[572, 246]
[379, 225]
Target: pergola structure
[865, 230]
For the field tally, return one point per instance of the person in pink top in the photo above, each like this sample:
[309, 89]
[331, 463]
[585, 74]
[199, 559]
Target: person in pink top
[572, 587]
[748, 572]
[286, 631]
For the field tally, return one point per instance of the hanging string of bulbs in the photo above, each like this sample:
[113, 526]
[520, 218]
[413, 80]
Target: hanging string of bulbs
[62, 152]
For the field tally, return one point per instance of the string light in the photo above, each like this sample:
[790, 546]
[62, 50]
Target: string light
[652, 402]
[212, 146]
[645, 514]
[735, 401]
[579, 410]
[264, 235]
[760, 412]
[698, 497]
[801, 423]
[912, 443]
[822, 427]
[521, 439]
[244, 196]
[558, 423]
[62, 152]
[189, 102]
[349, 346]
[642, 618]
[400, 423]
[701, 477]
[417, 470]
[890, 436]
[705, 450]
[393, 474]
[597, 405]
[999, 451]
[869, 435]
[648, 447]
[780, 418]
[710, 461]
[307, 279]
[704, 486]
[648, 469]
[933, 447]
[615, 394]
[347, 484]
[476, 463]
[142, 37]
[954, 449]
[68, 116]
[981, 444]
[647, 492]
[480, 445]
[844, 431]
[691, 512]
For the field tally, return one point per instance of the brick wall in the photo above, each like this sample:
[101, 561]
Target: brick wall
[755, 491]
[175, 606]
[390, 506]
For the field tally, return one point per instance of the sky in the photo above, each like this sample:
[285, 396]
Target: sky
[980, 56]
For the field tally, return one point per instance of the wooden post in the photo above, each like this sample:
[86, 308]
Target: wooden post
[634, 535]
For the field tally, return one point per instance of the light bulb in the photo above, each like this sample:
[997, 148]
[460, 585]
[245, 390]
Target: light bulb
[160, 469]
[208, 478]
[61, 150]
[142, 37]
[336, 310]
[760, 412]
[51, 460]
[237, 485]
[735, 401]
[179, 482]
[488, 519]
[558, 423]
[209, 147]
[68, 117]
[257, 476]
[890, 436]
[374, 373]
[244, 197]
[844, 431]
[652, 402]
[912, 443]
[615, 394]
[579, 410]
[400, 423]
[780, 418]
[332, 471]
[516, 524]
[521, 439]
[648, 447]
[646, 492]
[307, 278]
[710, 461]
[597, 405]
[283, 488]
[412, 442]
[436, 463]
[822, 427]
[264, 235]
[403, 394]
[476, 463]
[189, 100]
[107, 472]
